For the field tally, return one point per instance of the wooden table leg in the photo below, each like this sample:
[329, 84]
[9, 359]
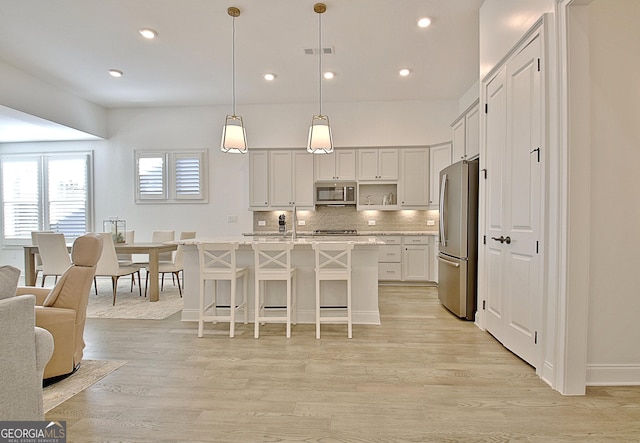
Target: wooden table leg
[29, 267]
[154, 288]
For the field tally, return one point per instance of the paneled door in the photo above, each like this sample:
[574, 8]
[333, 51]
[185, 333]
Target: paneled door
[514, 165]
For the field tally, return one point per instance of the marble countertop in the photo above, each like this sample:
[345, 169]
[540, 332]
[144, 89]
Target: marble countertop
[359, 234]
[248, 240]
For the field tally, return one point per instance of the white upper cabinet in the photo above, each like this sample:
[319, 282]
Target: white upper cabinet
[439, 158]
[290, 179]
[340, 165]
[258, 179]
[378, 164]
[466, 134]
[414, 178]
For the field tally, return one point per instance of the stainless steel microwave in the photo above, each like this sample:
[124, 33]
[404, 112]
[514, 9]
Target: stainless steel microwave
[335, 193]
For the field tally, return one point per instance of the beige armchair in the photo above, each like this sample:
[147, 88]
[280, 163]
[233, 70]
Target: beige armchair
[63, 309]
[25, 350]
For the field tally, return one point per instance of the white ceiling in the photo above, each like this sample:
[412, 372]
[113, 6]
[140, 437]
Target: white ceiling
[73, 43]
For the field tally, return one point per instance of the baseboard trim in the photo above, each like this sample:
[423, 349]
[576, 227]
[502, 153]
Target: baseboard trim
[613, 375]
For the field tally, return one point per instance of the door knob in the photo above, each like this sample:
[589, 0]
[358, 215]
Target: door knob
[507, 240]
[502, 239]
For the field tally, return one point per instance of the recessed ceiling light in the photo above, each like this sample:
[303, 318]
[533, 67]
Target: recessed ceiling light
[115, 73]
[404, 72]
[424, 22]
[269, 77]
[329, 75]
[148, 33]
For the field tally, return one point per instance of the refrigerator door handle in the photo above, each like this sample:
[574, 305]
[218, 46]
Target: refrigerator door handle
[442, 227]
[448, 262]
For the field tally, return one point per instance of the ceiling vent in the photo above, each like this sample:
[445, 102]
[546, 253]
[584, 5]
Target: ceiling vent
[325, 51]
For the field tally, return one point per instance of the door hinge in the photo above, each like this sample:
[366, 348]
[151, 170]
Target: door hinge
[484, 305]
[484, 171]
[535, 339]
[538, 65]
[537, 247]
[484, 239]
[486, 108]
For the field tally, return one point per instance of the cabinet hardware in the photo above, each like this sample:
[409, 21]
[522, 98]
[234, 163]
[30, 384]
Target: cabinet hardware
[538, 151]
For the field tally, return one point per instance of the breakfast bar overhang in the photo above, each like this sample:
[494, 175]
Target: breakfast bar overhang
[364, 277]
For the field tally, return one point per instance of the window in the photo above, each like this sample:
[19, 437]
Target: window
[171, 177]
[45, 192]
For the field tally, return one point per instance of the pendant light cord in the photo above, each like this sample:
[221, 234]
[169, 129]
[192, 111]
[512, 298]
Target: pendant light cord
[233, 64]
[320, 59]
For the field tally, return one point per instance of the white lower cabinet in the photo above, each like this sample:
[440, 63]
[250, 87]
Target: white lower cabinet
[415, 258]
[406, 258]
[390, 259]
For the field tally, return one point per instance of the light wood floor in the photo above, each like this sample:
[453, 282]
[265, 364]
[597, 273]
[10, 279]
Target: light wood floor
[422, 376]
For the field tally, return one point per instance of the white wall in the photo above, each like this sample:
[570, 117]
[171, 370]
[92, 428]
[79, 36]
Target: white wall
[23, 92]
[354, 124]
[614, 303]
[503, 23]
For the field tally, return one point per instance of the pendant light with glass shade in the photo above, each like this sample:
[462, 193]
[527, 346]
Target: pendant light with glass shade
[320, 140]
[234, 137]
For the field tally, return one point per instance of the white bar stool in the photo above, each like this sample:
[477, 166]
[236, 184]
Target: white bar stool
[273, 262]
[218, 262]
[333, 262]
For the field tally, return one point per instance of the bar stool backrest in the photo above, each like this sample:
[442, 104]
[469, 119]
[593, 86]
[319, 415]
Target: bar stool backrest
[273, 257]
[217, 259]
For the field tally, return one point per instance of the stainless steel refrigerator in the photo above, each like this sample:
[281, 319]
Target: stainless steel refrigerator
[458, 256]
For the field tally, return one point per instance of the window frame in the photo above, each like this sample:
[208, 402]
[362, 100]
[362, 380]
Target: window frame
[43, 204]
[170, 176]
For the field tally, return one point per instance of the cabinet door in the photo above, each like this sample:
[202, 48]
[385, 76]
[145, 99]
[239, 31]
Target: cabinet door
[302, 190]
[345, 162]
[367, 164]
[415, 262]
[414, 179]
[439, 158]
[473, 132]
[325, 166]
[459, 139]
[258, 179]
[388, 164]
[280, 178]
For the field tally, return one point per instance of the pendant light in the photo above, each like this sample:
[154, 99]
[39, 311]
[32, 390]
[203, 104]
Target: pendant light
[234, 137]
[320, 140]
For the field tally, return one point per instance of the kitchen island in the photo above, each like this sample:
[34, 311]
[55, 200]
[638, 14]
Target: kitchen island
[364, 277]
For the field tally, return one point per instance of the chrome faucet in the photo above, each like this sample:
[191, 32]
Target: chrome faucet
[294, 222]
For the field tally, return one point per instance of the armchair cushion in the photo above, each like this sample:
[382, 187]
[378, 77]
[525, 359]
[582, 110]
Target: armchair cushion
[8, 281]
[63, 310]
[25, 350]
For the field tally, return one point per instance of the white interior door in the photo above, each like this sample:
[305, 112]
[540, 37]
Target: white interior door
[514, 137]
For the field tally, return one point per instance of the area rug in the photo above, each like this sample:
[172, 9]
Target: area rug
[90, 372]
[129, 305]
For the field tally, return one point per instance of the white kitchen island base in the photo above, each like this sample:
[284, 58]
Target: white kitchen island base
[364, 282]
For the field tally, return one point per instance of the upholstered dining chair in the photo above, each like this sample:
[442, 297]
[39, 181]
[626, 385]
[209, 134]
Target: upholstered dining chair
[108, 266]
[52, 248]
[174, 267]
[34, 241]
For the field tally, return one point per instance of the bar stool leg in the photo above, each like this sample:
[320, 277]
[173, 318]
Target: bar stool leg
[201, 309]
[232, 308]
[317, 308]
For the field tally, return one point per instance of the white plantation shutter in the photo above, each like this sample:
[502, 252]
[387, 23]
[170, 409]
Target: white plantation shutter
[171, 177]
[21, 197]
[151, 176]
[67, 191]
[188, 182]
[45, 192]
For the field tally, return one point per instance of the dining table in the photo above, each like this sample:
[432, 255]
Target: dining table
[153, 250]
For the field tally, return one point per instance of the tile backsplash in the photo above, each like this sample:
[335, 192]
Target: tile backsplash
[327, 217]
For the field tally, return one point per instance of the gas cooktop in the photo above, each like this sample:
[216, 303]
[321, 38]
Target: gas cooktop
[335, 232]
